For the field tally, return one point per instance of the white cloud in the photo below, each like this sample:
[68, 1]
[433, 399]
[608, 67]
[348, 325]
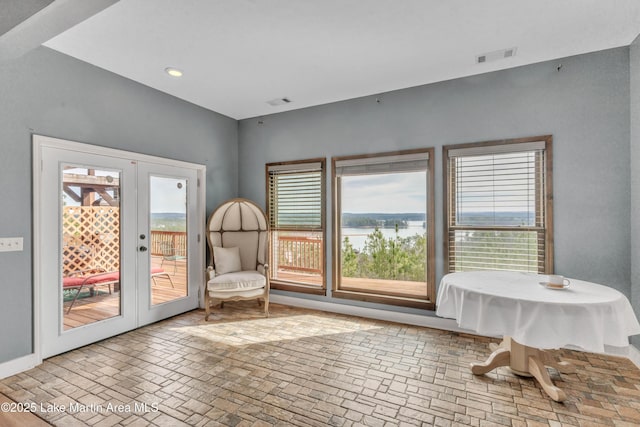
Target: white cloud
[384, 193]
[168, 195]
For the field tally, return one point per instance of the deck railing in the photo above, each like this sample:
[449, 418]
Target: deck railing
[168, 243]
[294, 253]
[298, 254]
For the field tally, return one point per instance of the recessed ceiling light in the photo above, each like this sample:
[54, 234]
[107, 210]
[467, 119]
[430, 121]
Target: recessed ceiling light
[173, 72]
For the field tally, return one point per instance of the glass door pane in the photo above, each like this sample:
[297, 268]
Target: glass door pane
[168, 237]
[383, 234]
[90, 245]
[170, 250]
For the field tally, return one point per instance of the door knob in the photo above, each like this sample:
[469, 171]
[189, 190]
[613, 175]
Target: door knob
[142, 237]
[143, 249]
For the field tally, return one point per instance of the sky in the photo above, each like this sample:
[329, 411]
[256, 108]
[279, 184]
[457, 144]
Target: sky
[385, 193]
[168, 195]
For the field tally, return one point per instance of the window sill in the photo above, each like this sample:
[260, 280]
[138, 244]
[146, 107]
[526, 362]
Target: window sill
[384, 299]
[296, 287]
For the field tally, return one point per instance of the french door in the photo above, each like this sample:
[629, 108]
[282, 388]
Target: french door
[167, 240]
[118, 241]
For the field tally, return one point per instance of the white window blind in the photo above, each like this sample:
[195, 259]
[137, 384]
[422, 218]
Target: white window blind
[414, 162]
[497, 208]
[296, 215]
[295, 197]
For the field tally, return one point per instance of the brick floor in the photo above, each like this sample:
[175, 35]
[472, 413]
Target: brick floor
[309, 368]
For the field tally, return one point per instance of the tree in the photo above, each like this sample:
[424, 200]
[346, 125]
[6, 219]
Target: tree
[349, 259]
[391, 258]
[493, 249]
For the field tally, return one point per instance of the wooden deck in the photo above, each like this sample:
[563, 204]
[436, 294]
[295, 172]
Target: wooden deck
[398, 287]
[104, 306]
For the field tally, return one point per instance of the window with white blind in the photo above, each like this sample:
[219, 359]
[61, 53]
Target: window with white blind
[383, 228]
[295, 207]
[498, 207]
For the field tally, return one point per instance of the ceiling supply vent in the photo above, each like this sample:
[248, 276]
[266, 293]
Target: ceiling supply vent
[495, 55]
[278, 101]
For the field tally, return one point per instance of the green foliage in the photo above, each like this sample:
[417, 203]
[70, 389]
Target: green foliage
[393, 258]
[359, 221]
[352, 221]
[168, 222]
[496, 250]
[349, 259]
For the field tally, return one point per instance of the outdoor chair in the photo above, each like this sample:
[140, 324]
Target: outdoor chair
[159, 272]
[94, 277]
[89, 279]
[238, 237]
[169, 253]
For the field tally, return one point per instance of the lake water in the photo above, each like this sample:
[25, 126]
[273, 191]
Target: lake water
[357, 236]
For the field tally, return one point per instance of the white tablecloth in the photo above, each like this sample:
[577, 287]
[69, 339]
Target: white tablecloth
[586, 315]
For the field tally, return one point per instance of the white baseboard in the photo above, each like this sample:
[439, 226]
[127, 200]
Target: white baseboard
[630, 352]
[372, 313]
[18, 365]
[634, 355]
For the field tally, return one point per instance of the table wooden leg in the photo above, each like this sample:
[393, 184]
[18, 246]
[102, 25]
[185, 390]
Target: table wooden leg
[493, 346]
[500, 357]
[539, 371]
[561, 366]
[524, 361]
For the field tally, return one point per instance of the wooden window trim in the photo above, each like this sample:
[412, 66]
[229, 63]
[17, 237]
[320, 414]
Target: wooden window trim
[448, 206]
[429, 302]
[294, 286]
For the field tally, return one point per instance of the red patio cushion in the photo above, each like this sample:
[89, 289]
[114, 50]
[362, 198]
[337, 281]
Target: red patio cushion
[94, 279]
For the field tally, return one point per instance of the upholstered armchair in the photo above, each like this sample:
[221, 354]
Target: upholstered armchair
[238, 236]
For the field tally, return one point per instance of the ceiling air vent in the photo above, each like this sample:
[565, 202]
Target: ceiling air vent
[495, 55]
[278, 101]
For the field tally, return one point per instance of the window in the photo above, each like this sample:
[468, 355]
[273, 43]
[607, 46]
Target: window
[296, 211]
[383, 228]
[498, 211]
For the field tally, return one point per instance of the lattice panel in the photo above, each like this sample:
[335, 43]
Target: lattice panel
[91, 238]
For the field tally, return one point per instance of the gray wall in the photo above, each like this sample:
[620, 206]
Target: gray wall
[585, 106]
[634, 67]
[51, 94]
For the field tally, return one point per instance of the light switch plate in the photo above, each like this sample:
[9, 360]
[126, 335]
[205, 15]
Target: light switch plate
[11, 244]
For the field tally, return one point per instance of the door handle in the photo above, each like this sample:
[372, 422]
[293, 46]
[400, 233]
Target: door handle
[142, 249]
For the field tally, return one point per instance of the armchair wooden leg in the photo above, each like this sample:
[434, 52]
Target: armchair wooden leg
[266, 307]
[207, 306]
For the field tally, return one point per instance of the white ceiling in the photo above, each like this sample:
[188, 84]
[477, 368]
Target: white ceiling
[238, 54]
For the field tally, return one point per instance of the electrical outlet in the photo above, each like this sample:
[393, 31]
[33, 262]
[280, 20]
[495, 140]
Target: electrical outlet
[11, 244]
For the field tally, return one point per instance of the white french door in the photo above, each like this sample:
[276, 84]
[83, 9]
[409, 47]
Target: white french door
[117, 241]
[167, 198]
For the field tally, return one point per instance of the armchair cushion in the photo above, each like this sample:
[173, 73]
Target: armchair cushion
[227, 260]
[237, 281]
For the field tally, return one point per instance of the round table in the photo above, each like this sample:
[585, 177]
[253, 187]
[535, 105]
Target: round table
[532, 317]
